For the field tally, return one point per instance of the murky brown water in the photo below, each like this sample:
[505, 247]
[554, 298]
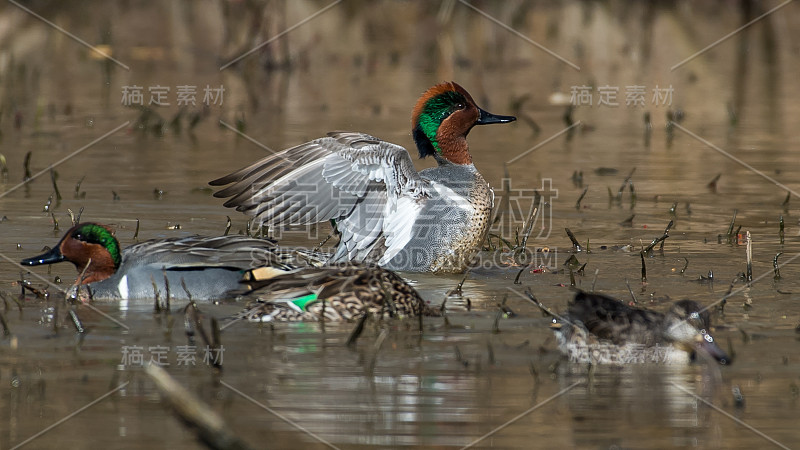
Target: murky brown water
[360, 66]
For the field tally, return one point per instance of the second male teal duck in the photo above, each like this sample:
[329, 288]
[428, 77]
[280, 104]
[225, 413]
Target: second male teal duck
[211, 268]
[384, 210]
[602, 330]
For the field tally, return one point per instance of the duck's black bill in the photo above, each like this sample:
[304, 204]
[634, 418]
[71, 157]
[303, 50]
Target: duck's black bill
[486, 118]
[50, 257]
[709, 347]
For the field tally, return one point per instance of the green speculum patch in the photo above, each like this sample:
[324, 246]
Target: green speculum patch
[304, 301]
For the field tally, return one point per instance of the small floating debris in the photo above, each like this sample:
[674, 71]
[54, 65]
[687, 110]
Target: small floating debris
[713, 183]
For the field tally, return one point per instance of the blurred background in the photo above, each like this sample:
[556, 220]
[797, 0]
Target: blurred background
[141, 103]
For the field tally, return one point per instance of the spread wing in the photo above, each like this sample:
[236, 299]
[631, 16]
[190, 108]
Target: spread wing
[369, 186]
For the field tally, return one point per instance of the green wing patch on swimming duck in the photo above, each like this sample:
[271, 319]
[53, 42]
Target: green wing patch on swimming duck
[340, 292]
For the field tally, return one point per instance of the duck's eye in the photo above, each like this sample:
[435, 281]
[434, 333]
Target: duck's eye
[460, 106]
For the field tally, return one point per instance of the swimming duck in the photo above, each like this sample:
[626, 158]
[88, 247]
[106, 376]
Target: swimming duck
[384, 210]
[602, 330]
[339, 292]
[210, 267]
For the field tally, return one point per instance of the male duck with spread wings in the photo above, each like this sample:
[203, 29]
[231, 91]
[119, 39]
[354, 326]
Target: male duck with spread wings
[385, 211]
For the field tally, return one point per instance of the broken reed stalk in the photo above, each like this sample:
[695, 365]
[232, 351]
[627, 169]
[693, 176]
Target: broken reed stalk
[505, 205]
[519, 274]
[54, 179]
[377, 348]
[713, 183]
[526, 230]
[633, 296]
[673, 209]
[576, 246]
[6, 330]
[624, 184]
[724, 300]
[27, 166]
[458, 290]
[507, 311]
[686, 266]
[496, 324]
[227, 226]
[780, 229]
[78, 187]
[776, 267]
[156, 296]
[644, 269]
[730, 227]
[628, 222]
[666, 235]
[545, 310]
[749, 252]
[199, 416]
[660, 239]
[166, 288]
[76, 321]
[583, 194]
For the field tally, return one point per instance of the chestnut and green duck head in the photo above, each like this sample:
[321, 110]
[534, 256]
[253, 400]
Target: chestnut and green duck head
[442, 118]
[91, 247]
